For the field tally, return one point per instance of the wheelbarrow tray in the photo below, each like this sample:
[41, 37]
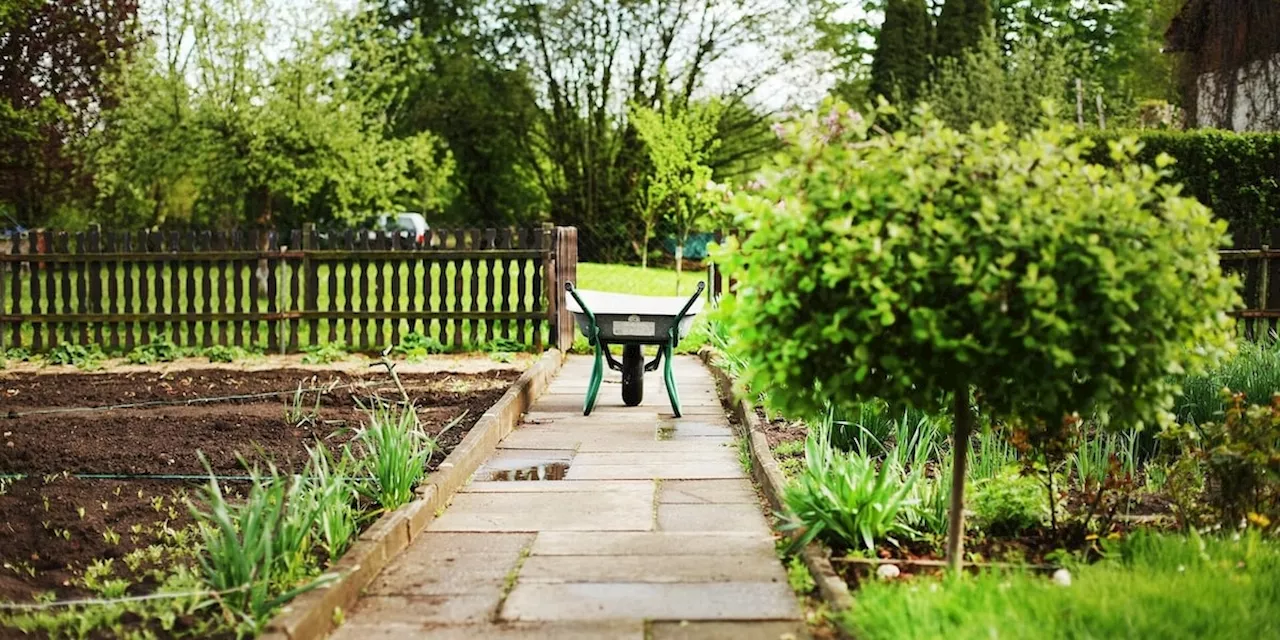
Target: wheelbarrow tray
[631, 319]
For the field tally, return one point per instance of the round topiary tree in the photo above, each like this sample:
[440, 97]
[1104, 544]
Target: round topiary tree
[932, 263]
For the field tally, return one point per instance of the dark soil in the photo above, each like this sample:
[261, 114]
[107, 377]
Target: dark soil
[51, 448]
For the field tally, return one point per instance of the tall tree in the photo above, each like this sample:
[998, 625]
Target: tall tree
[961, 25]
[54, 58]
[901, 64]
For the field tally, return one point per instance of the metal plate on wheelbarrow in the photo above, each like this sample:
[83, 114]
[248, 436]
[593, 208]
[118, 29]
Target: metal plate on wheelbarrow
[634, 327]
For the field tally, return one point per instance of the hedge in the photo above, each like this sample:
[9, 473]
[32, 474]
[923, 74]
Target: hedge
[1235, 174]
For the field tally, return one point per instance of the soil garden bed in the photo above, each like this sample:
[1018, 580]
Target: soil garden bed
[56, 521]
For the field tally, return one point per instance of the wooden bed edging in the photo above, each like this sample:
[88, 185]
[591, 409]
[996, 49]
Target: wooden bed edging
[764, 467]
[314, 614]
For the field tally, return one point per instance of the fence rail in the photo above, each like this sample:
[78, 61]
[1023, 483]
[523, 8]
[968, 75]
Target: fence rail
[285, 292]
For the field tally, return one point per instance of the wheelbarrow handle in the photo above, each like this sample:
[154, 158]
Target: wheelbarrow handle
[568, 286]
[692, 299]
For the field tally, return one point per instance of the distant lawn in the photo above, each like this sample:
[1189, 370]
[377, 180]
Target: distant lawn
[621, 278]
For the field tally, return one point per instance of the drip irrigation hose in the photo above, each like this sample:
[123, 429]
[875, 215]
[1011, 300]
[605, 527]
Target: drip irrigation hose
[149, 476]
[191, 401]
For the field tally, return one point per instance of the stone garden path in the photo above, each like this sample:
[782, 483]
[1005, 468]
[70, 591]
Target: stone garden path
[652, 530]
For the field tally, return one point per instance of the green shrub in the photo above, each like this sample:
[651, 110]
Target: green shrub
[227, 354]
[1151, 586]
[1009, 504]
[1237, 175]
[153, 352]
[1240, 456]
[907, 266]
[80, 356]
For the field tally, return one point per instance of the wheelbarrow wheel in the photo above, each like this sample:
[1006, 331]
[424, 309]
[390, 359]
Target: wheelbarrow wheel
[632, 375]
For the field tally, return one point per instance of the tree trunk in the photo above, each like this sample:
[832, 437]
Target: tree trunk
[644, 246]
[679, 264]
[960, 457]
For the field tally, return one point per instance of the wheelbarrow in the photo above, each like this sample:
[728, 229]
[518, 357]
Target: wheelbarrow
[632, 322]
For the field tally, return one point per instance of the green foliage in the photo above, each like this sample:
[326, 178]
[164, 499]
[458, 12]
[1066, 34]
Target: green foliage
[80, 356]
[1151, 586]
[416, 346]
[1240, 456]
[396, 454]
[256, 548]
[847, 500]
[678, 140]
[985, 85]
[798, 576]
[901, 267]
[1237, 175]
[962, 26]
[227, 354]
[18, 353]
[326, 353]
[1254, 370]
[153, 352]
[901, 64]
[1009, 504]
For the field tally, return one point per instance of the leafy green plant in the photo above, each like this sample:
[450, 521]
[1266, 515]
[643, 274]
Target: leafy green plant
[1009, 504]
[1240, 456]
[152, 352]
[80, 356]
[798, 576]
[326, 353]
[396, 453]
[17, 353]
[1006, 273]
[332, 488]
[225, 353]
[847, 499]
[1253, 370]
[296, 411]
[417, 346]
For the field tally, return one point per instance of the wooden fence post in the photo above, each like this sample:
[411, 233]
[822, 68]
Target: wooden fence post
[564, 268]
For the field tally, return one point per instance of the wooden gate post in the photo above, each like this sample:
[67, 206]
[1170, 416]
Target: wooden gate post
[564, 252]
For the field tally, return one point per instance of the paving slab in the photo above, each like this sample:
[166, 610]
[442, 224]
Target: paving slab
[657, 470]
[685, 630]
[442, 564]
[376, 610]
[675, 601]
[707, 492]
[653, 543]
[711, 517]
[550, 511]
[664, 568]
[560, 486]
[610, 629]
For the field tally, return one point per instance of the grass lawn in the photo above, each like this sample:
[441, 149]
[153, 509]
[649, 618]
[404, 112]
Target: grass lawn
[622, 278]
[1151, 586]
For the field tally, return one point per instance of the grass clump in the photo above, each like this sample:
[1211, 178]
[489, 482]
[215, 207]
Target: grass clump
[1254, 371]
[1009, 504]
[1150, 586]
[396, 454]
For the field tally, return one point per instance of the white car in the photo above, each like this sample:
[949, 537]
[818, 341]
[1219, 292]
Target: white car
[408, 224]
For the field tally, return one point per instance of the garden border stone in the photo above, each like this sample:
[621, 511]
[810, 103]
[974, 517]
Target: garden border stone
[312, 615]
[767, 473]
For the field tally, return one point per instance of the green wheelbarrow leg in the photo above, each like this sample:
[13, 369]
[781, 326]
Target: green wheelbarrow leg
[670, 379]
[597, 373]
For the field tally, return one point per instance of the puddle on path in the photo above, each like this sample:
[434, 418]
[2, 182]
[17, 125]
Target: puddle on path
[553, 471]
[525, 464]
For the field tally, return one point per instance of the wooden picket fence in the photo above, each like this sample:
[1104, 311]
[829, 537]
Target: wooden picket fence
[286, 292]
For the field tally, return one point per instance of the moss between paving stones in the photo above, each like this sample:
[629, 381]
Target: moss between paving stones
[767, 473]
[314, 614]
